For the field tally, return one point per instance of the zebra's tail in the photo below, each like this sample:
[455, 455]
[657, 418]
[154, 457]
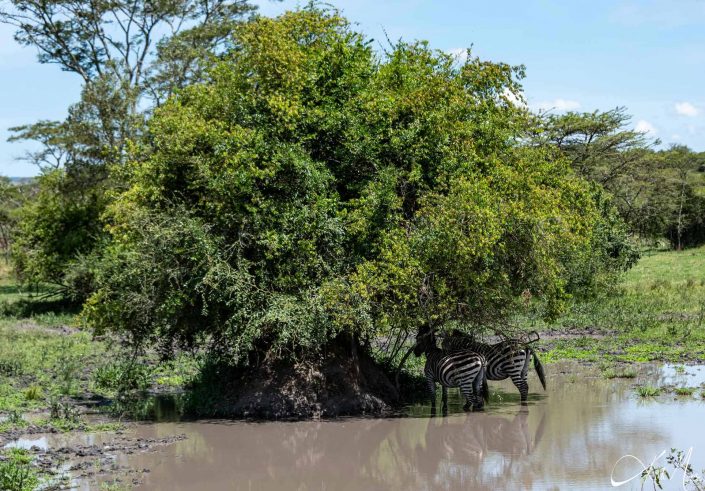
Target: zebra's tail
[539, 369]
[485, 390]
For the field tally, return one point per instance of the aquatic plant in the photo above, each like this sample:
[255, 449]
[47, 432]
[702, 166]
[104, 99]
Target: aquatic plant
[647, 391]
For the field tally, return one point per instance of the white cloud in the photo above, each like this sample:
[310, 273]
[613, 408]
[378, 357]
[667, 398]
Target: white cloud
[686, 109]
[460, 54]
[516, 99]
[559, 105]
[676, 137]
[643, 126]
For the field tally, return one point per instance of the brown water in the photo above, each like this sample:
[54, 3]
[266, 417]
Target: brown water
[569, 438]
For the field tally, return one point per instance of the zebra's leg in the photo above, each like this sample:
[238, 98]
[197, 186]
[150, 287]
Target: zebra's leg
[444, 400]
[466, 390]
[432, 392]
[523, 387]
[478, 387]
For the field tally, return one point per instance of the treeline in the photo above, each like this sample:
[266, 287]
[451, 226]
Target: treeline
[261, 187]
[660, 194]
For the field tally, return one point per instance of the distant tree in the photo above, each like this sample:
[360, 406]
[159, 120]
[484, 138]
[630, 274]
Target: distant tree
[130, 56]
[124, 51]
[679, 166]
[12, 197]
[599, 145]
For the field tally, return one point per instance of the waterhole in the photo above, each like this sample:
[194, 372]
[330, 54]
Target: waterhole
[568, 437]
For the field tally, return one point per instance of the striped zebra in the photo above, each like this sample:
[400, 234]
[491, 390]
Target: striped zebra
[462, 368]
[506, 359]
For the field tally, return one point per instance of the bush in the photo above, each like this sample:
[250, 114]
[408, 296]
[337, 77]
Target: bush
[59, 225]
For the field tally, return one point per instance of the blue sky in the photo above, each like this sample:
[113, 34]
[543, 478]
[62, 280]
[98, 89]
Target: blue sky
[647, 55]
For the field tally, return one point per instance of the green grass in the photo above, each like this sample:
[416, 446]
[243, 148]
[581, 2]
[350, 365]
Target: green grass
[47, 364]
[611, 372]
[647, 391]
[655, 313]
[685, 391]
[17, 472]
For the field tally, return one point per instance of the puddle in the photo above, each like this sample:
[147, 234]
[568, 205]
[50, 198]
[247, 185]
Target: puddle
[569, 437]
[46, 441]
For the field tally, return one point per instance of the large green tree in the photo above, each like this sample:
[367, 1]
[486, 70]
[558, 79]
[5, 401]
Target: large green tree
[310, 188]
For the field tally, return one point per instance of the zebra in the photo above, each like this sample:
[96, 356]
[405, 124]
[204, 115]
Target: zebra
[506, 359]
[461, 368]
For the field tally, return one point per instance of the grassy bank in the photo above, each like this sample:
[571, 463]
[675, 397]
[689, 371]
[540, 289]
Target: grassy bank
[656, 313]
[51, 371]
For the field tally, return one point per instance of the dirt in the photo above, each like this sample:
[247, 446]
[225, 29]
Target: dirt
[339, 383]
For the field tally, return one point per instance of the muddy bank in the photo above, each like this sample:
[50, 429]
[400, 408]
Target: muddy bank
[63, 459]
[340, 382]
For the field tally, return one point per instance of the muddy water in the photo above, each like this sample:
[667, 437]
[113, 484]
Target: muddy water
[567, 438]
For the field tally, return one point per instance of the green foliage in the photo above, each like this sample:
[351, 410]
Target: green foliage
[657, 193]
[123, 376]
[647, 391]
[311, 188]
[130, 55]
[621, 371]
[12, 197]
[685, 391]
[33, 393]
[58, 225]
[16, 471]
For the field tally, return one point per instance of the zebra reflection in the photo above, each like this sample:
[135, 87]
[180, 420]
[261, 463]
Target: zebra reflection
[479, 451]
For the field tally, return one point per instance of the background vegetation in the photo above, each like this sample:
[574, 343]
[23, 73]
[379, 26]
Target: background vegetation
[251, 189]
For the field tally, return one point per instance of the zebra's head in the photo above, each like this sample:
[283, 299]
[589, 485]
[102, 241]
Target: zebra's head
[425, 340]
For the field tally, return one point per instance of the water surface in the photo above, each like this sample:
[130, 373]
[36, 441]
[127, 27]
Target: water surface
[569, 437]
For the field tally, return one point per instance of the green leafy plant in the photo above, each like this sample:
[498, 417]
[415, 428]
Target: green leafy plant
[33, 393]
[122, 376]
[17, 472]
[685, 391]
[647, 391]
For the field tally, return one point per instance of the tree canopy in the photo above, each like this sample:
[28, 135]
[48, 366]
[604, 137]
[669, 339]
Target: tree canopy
[309, 188]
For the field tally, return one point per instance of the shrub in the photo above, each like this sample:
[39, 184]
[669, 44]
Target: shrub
[685, 391]
[647, 391]
[33, 393]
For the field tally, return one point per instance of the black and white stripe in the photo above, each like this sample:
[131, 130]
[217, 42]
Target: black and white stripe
[506, 359]
[461, 368]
